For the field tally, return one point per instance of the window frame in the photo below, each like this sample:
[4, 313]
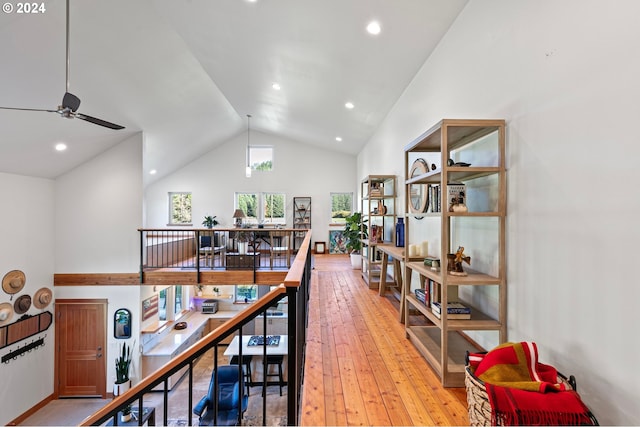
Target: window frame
[261, 199]
[171, 195]
[270, 220]
[253, 164]
[241, 299]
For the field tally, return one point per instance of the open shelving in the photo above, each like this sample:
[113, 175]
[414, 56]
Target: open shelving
[469, 153]
[379, 210]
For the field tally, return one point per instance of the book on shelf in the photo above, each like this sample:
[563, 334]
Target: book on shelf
[453, 307]
[422, 296]
[452, 316]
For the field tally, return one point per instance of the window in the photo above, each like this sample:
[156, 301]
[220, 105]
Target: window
[170, 302]
[248, 203]
[266, 208]
[179, 298]
[180, 209]
[246, 293]
[274, 208]
[341, 207]
[261, 158]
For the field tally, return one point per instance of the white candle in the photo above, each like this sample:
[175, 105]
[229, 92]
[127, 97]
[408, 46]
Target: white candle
[424, 248]
[413, 250]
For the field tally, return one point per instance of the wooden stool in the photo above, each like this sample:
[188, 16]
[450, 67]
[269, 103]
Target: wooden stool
[275, 360]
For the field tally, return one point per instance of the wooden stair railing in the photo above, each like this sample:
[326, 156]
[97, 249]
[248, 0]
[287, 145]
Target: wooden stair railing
[295, 287]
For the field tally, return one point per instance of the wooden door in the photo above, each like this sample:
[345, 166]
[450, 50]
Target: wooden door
[81, 327]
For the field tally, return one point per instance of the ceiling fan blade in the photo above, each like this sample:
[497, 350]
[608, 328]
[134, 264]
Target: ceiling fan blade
[98, 121]
[70, 101]
[28, 109]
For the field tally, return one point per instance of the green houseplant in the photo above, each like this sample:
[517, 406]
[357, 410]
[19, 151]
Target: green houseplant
[210, 221]
[354, 231]
[123, 382]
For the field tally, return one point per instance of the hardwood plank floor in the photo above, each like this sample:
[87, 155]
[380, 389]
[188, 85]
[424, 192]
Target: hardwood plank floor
[360, 369]
[370, 373]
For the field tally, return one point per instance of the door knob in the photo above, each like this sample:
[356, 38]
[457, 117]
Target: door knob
[100, 348]
[99, 355]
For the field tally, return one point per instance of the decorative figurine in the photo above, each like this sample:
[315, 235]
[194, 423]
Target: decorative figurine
[454, 262]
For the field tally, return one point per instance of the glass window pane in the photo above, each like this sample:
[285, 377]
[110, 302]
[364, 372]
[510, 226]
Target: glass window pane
[274, 208]
[178, 301]
[248, 203]
[246, 293]
[162, 305]
[261, 158]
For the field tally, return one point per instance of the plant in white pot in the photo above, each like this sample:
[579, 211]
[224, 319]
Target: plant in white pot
[123, 382]
[354, 231]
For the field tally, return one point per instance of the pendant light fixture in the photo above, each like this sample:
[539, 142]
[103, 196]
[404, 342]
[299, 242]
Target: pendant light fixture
[248, 168]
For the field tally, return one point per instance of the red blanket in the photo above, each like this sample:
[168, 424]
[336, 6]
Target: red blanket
[523, 391]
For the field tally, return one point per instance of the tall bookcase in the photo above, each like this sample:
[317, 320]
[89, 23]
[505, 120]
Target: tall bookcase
[469, 153]
[378, 212]
[301, 219]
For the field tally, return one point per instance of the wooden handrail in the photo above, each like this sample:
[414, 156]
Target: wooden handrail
[297, 268]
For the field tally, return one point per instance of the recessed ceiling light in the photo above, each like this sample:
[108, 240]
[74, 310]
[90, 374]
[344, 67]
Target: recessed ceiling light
[61, 146]
[373, 27]
[276, 86]
[152, 172]
[339, 138]
[349, 105]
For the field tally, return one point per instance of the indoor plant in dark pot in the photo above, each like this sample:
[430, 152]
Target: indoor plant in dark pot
[123, 382]
[210, 221]
[354, 231]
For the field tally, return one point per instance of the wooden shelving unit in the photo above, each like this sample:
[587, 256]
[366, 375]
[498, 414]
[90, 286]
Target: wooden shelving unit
[379, 210]
[301, 219]
[482, 143]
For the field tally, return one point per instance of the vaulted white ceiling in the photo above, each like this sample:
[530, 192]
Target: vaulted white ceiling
[187, 72]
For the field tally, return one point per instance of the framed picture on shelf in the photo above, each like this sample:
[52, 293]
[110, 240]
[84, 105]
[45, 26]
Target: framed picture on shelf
[319, 248]
[337, 242]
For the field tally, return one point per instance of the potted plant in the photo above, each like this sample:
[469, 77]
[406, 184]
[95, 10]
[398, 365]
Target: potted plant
[123, 382]
[242, 238]
[354, 231]
[210, 221]
[199, 290]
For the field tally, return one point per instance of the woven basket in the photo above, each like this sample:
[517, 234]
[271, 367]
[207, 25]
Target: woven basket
[478, 400]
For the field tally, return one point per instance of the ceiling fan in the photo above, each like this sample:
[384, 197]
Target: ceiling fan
[70, 102]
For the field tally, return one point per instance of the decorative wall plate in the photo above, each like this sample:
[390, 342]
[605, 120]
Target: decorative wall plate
[418, 197]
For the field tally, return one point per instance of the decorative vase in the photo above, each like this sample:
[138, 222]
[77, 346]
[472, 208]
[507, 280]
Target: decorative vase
[125, 418]
[118, 389]
[242, 248]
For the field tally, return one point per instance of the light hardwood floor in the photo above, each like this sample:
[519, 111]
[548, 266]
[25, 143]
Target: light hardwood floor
[360, 369]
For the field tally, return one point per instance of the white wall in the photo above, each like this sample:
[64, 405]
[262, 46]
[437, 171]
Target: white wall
[26, 233]
[299, 170]
[98, 210]
[564, 74]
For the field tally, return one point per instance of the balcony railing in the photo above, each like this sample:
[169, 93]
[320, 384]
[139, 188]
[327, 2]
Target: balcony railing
[213, 251]
[295, 288]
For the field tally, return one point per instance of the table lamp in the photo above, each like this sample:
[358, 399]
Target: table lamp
[238, 215]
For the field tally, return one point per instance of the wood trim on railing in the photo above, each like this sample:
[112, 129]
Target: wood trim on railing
[96, 279]
[297, 268]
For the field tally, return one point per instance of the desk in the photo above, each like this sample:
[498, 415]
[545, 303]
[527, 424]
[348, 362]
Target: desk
[397, 256]
[148, 416]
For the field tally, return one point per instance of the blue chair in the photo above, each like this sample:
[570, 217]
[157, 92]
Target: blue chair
[231, 398]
